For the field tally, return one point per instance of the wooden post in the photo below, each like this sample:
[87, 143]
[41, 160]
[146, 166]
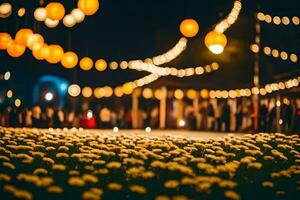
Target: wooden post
[163, 108]
[196, 112]
[135, 111]
[278, 105]
[256, 75]
[179, 111]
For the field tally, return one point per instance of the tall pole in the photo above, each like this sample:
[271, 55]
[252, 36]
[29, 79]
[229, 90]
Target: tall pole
[256, 74]
[163, 108]
[135, 110]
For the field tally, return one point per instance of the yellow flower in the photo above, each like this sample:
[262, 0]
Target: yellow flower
[267, 184]
[162, 197]
[114, 186]
[46, 181]
[40, 171]
[63, 148]
[23, 194]
[5, 177]
[138, 189]
[229, 194]
[228, 183]
[62, 155]
[268, 157]
[203, 186]
[8, 165]
[101, 171]
[76, 181]
[89, 178]
[148, 174]
[113, 164]
[280, 193]
[55, 189]
[171, 184]
[74, 172]
[98, 162]
[59, 167]
[48, 160]
[5, 158]
[255, 165]
[179, 197]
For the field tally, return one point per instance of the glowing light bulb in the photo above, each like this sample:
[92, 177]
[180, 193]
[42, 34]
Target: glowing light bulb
[148, 129]
[49, 96]
[181, 123]
[89, 114]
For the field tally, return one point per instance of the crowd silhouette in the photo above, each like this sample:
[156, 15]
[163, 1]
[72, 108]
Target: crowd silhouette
[217, 116]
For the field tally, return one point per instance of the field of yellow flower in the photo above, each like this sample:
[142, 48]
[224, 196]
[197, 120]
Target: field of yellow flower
[76, 164]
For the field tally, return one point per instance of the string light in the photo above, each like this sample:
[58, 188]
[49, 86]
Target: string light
[9, 94]
[149, 93]
[275, 53]
[54, 12]
[18, 103]
[222, 26]
[171, 71]
[21, 12]
[278, 20]
[5, 10]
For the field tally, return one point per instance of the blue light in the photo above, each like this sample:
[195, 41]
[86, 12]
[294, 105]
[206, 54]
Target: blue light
[63, 87]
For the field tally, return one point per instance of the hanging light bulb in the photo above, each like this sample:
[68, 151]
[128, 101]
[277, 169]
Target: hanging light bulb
[51, 23]
[69, 21]
[215, 42]
[78, 15]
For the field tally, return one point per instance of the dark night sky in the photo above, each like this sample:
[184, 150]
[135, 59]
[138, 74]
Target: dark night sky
[124, 30]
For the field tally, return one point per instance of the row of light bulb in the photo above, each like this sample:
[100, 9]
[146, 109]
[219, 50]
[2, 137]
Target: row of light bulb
[74, 90]
[154, 62]
[278, 20]
[275, 53]
[54, 12]
[5, 10]
[69, 20]
[35, 42]
[169, 55]
[222, 26]
[6, 76]
[269, 88]
[148, 93]
[172, 71]
[17, 101]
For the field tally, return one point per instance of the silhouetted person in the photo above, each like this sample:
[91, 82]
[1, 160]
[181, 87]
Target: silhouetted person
[287, 114]
[272, 118]
[239, 118]
[226, 116]
[263, 115]
[14, 118]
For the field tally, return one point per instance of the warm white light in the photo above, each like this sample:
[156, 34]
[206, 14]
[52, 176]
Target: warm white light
[18, 102]
[9, 94]
[216, 48]
[89, 114]
[78, 15]
[49, 96]
[51, 23]
[5, 9]
[278, 103]
[69, 21]
[181, 123]
[74, 90]
[40, 14]
[148, 129]
[115, 129]
[7, 76]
